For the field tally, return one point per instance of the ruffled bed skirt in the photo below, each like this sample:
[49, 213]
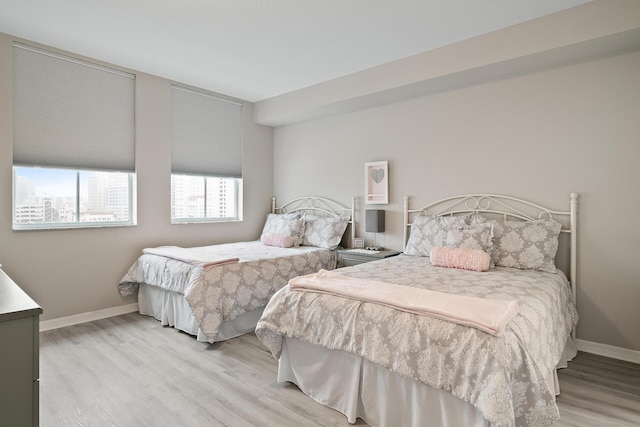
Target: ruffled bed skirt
[172, 309]
[358, 388]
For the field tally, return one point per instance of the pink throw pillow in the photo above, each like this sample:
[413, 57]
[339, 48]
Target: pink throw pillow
[466, 259]
[279, 240]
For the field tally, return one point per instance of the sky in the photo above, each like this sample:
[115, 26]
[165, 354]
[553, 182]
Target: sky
[50, 182]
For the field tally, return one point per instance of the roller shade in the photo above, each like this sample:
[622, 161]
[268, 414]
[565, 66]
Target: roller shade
[206, 134]
[71, 113]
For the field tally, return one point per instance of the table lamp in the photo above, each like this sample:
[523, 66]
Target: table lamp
[374, 223]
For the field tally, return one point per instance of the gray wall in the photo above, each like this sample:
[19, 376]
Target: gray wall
[77, 271]
[538, 136]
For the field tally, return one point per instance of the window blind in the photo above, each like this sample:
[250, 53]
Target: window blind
[71, 113]
[206, 134]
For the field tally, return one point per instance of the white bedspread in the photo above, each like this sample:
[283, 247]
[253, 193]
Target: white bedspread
[227, 291]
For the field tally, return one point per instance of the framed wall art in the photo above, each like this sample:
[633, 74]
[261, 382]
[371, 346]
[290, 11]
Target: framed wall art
[376, 183]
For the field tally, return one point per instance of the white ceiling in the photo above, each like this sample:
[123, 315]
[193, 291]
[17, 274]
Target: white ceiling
[258, 49]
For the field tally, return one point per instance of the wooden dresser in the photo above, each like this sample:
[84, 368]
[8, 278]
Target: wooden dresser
[19, 353]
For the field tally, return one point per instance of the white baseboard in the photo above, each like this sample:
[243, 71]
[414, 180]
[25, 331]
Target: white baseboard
[76, 319]
[609, 351]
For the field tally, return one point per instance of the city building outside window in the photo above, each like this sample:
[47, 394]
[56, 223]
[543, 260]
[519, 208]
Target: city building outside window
[202, 198]
[63, 198]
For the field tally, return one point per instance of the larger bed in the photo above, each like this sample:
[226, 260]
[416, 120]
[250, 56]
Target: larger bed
[218, 292]
[395, 368]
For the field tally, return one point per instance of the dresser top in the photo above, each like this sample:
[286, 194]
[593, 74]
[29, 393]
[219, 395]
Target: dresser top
[14, 302]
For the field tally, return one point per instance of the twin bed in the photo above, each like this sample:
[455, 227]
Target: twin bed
[395, 368]
[379, 361]
[218, 292]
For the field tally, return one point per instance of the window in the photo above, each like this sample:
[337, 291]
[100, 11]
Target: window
[59, 198]
[199, 197]
[73, 147]
[206, 161]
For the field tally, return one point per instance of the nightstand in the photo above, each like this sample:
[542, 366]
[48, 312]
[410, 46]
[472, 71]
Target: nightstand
[349, 257]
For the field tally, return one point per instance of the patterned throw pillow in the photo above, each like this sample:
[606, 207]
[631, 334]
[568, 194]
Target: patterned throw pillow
[476, 236]
[324, 231]
[476, 218]
[528, 245]
[286, 225]
[430, 231]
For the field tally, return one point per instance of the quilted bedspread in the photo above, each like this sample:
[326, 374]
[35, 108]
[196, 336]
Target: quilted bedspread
[222, 293]
[503, 377]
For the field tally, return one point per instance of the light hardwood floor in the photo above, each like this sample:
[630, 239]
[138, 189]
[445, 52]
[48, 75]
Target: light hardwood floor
[130, 371]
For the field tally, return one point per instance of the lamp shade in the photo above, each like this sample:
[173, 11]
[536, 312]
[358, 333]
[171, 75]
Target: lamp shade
[374, 221]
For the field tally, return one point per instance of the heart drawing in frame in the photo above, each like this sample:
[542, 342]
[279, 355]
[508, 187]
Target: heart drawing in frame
[376, 182]
[377, 175]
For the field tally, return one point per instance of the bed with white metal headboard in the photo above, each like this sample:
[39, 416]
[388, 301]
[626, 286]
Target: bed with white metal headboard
[218, 292]
[391, 367]
[508, 208]
[318, 206]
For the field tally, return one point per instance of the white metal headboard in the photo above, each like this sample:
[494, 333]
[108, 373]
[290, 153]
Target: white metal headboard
[318, 205]
[509, 208]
